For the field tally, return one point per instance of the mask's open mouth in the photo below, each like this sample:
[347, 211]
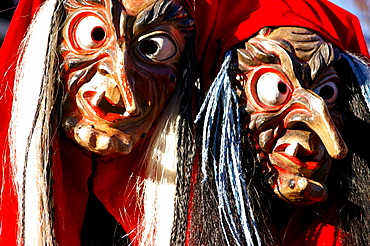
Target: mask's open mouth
[301, 167]
[112, 110]
[299, 152]
[295, 154]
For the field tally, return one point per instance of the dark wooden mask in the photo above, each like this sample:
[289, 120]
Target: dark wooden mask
[288, 87]
[120, 66]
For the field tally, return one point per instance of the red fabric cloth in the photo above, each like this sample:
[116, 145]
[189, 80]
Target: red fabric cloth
[317, 233]
[220, 23]
[114, 184]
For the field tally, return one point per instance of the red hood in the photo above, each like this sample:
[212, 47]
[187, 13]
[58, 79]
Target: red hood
[222, 24]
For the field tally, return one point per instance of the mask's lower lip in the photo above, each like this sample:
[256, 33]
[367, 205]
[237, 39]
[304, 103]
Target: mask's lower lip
[104, 108]
[285, 160]
[293, 158]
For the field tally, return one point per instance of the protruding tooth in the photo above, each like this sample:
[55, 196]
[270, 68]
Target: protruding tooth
[127, 114]
[86, 135]
[102, 142]
[97, 98]
[114, 94]
[292, 149]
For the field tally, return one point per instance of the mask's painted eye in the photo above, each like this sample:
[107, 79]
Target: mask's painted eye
[89, 33]
[271, 89]
[157, 47]
[328, 92]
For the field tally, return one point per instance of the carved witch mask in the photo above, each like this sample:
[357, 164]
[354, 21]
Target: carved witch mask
[120, 65]
[289, 88]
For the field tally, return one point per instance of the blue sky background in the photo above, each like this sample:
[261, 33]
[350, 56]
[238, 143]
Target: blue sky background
[351, 7]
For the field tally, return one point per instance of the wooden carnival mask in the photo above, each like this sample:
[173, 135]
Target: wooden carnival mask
[120, 66]
[289, 88]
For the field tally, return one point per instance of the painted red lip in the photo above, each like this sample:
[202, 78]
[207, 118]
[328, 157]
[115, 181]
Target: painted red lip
[303, 159]
[106, 109]
[310, 165]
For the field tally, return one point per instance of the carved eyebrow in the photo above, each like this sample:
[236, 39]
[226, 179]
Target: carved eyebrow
[322, 58]
[165, 11]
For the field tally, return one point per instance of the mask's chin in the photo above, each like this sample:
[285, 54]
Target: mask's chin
[106, 141]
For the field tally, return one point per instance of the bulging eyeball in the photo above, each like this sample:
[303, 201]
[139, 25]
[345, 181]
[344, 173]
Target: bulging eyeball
[271, 89]
[157, 47]
[328, 92]
[87, 32]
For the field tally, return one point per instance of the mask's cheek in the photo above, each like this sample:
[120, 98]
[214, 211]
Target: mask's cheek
[152, 88]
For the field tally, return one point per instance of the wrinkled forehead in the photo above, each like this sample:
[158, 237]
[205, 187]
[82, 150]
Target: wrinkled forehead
[299, 51]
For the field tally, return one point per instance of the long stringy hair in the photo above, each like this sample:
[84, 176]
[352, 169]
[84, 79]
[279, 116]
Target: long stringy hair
[349, 179]
[34, 126]
[169, 159]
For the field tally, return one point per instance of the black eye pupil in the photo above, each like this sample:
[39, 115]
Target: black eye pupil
[98, 34]
[148, 47]
[327, 92]
[282, 87]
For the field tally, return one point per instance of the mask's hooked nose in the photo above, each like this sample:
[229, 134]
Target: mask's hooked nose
[126, 88]
[315, 115]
